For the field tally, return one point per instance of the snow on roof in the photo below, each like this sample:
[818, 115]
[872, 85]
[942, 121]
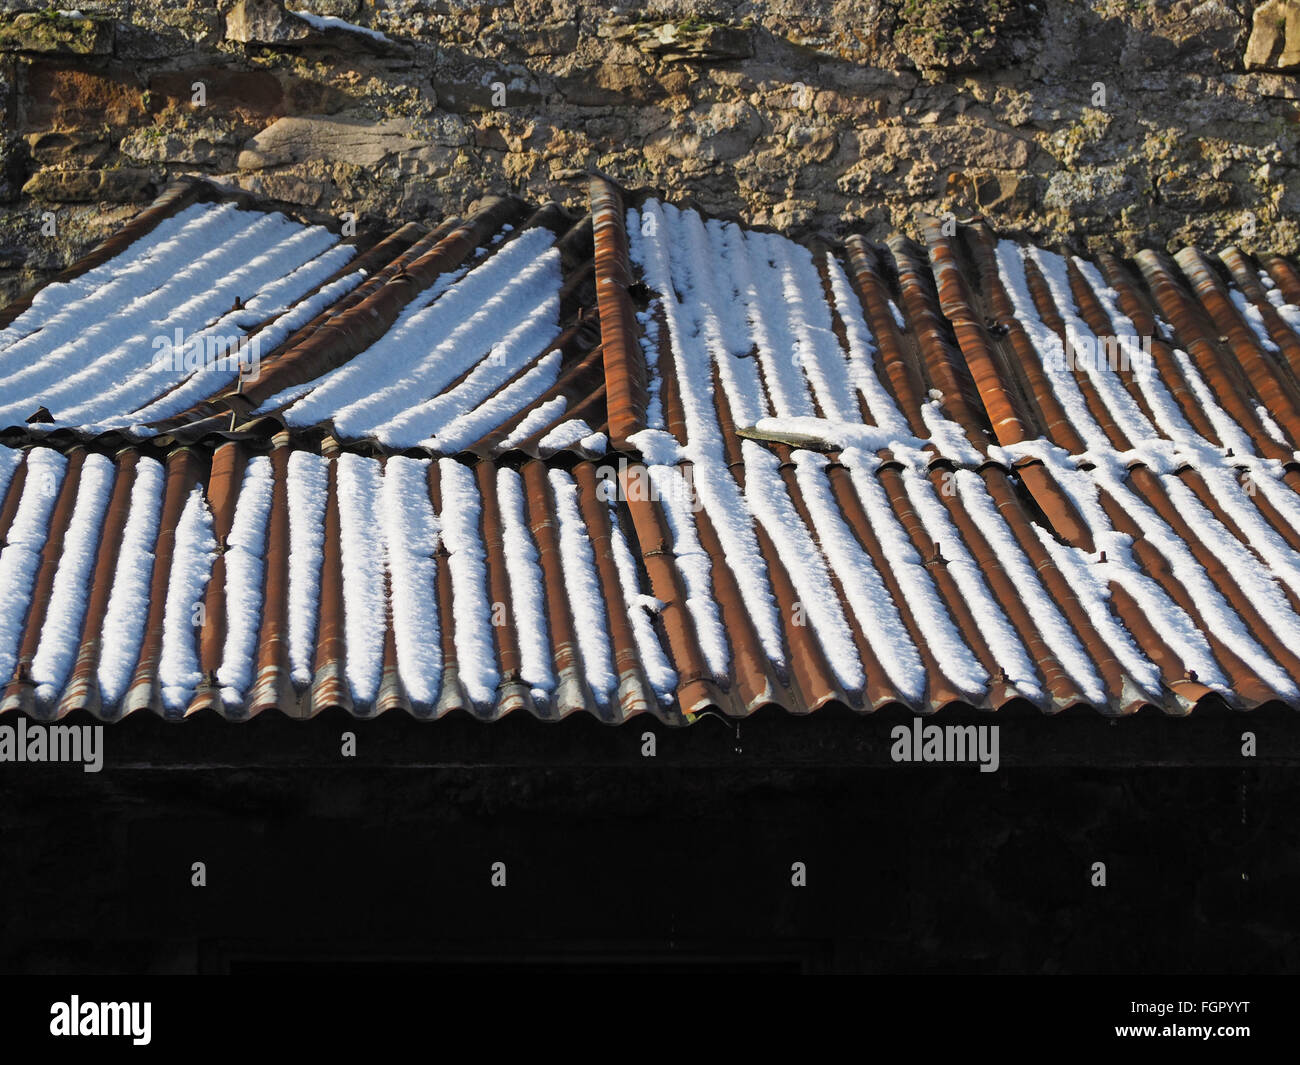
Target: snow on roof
[647, 461]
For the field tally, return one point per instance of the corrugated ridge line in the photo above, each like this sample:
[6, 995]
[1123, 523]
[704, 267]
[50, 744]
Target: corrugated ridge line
[451, 694]
[1270, 381]
[940, 691]
[1247, 686]
[944, 366]
[1285, 276]
[1245, 277]
[1194, 480]
[697, 688]
[635, 693]
[329, 686]
[998, 396]
[1050, 420]
[1137, 307]
[759, 680]
[1058, 683]
[811, 673]
[1152, 491]
[225, 482]
[272, 681]
[625, 379]
[1126, 693]
[1000, 690]
[512, 692]
[20, 690]
[576, 381]
[938, 353]
[1224, 376]
[354, 330]
[391, 693]
[1098, 321]
[903, 377]
[184, 471]
[1049, 314]
[389, 251]
[82, 692]
[879, 689]
[172, 200]
[596, 400]
[571, 690]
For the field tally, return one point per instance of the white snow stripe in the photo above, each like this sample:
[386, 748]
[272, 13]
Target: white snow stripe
[694, 563]
[1257, 584]
[307, 494]
[432, 345]
[521, 346]
[1003, 640]
[193, 553]
[461, 520]
[717, 489]
[21, 557]
[863, 367]
[527, 591]
[10, 459]
[472, 425]
[122, 632]
[245, 569]
[1123, 407]
[957, 661]
[1046, 615]
[1051, 352]
[61, 633]
[662, 676]
[536, 420]
[582, 585]
[877, 615]
[365, 609]
[204, 383]
[766, 493]
[1090, 582]
[411, 543]
[1217, 612]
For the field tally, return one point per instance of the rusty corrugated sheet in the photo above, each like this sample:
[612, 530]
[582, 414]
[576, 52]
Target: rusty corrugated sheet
[981, 522]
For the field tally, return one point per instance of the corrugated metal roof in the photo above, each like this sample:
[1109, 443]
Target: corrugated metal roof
[645, 461]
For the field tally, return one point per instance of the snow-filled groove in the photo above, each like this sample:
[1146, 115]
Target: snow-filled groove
[365, 609]
[308, 494]
[796, 549]
[22, 551]
[876, 613]
[461, 522]
[411, 532]
[245, 569]
[777, 406]
[191, 566]
[128, 604]
[582, 584]
[663, 678]
[61, 633]
[527, 591]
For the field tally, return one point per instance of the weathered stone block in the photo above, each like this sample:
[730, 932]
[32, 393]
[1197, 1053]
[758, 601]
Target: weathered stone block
[51, 32]
[1274, 42]
[124, 185]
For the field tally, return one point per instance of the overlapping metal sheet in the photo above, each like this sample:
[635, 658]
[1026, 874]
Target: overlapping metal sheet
[648, 461]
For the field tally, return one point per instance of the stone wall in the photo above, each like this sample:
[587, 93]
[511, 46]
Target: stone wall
[1087, 122]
